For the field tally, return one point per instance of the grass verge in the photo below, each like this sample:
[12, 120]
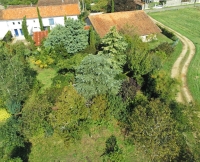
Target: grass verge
[189, 27]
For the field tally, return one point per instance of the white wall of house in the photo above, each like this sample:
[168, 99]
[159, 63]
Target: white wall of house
[3, 28]
[15, 26]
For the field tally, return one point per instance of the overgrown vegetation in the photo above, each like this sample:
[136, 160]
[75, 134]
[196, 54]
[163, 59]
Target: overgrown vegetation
[82, 98]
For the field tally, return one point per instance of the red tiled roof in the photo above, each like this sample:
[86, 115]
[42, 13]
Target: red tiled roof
[138, 19]
[39, 36]
[45, 11]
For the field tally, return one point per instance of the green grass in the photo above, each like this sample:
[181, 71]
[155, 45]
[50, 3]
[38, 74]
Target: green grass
[186, 21]
[45, 75]
[89, 147]
[168, 64]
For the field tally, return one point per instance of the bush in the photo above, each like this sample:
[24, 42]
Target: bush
[168, 33]
[165, 47]
[8, 37]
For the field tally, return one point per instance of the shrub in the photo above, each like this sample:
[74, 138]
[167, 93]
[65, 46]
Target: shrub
[8, 37]
[165, 47]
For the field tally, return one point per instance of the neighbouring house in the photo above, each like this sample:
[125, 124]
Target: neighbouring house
[139, 20]
[51, 13]
[177, 2]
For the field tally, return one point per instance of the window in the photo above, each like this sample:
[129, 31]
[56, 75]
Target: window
[51, 21]
[18, 22]
[16, 32]
[21, 32]
[33, 20]
[13, 23]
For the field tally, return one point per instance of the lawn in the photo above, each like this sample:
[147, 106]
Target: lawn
[186, 21]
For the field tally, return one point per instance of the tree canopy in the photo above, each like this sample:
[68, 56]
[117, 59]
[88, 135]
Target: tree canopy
[72, 37]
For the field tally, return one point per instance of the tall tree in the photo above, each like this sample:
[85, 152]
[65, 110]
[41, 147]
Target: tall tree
[69, 114]
[113, 45]
[153, 132]
[124, 5]
[40, 20]
[112, 6]
[72, 38]
[25, 30]
[15, 78]
[96, 76]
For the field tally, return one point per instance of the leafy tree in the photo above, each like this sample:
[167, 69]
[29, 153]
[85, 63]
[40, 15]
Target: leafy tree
[25, 30]
[15, 78]
[98, 111]
[69, 114]
[139, 61]
[124, 5]
[113, 45]
[34, 116]
[100, 6]
[153, 131]
[161, 85]
[40, 20]
[10, 138]
[72, 38]
[112, 6]
[129, 89]
[96, 76]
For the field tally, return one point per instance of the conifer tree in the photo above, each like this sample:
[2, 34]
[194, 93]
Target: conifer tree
[40, 20]
[25, 30]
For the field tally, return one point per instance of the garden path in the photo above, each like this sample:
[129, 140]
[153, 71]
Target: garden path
[180, 67]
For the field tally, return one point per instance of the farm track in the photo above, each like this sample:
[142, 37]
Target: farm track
[180, 67]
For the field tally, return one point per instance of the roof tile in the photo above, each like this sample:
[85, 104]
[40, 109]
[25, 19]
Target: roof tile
[45, 11]
[138, 19]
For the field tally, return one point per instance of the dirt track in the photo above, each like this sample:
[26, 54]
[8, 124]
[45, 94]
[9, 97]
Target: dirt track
[180, 67]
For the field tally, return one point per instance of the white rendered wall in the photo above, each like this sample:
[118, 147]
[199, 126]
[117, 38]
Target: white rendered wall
[32, 25]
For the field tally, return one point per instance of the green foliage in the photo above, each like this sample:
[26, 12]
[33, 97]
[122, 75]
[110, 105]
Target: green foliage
[10, 137]
[139, 61]
[96, 76]
[159, 84]
[124, 5]
[69, 114]
[72, 38]
[113, 45]
[25, 30]
[165, 47]
[129, 89]
[98, 111]
[100, 6]
[111, 145]
[40, 20]
[8, 37]
[18, 2]
[168, 33]
[112, 6]
[153, 132]
[112, 152]
[92, 41]
[16, 79]
[34, 116]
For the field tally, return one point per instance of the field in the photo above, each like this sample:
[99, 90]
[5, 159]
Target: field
[186, 21]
